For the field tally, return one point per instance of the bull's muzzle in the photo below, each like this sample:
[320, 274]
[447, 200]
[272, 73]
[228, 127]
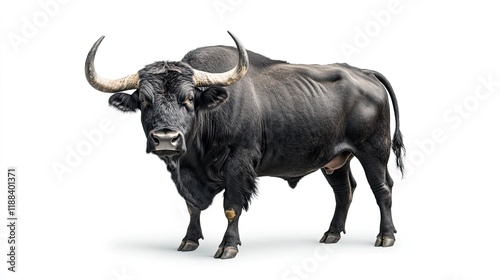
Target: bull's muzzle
[167, 143]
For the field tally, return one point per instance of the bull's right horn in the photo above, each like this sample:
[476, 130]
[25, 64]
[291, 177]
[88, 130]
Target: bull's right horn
[103, 84]
[203, 79]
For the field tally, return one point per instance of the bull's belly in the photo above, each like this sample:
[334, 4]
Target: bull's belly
[287, 173]
[299, 167]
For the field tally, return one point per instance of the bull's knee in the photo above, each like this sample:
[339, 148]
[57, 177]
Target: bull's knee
[230, 215]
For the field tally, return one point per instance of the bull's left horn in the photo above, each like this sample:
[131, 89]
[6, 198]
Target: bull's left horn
[103, 84]
[203, 79]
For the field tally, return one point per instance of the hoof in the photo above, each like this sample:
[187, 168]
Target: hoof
[330, 237]
[188, 245]
[226, 252]
[384, 241]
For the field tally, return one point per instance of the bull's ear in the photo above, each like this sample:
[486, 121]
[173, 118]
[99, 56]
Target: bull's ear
[211, 98]
[125, 102]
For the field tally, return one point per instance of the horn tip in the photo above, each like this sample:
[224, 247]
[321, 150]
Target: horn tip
[101, 38]
[232, 35]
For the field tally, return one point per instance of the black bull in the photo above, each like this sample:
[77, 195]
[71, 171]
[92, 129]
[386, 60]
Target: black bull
[264, 117]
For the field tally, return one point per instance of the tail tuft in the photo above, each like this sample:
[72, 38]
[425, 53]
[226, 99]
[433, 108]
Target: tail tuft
[399, 150]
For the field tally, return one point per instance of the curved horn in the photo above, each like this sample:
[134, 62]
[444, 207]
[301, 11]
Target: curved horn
[103, 84]
[202, 79]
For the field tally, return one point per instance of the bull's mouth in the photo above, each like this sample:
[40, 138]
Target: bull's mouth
[167, 153]
[169, 157]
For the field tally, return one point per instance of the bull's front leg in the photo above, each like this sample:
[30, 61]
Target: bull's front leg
[190, 241]
[239, 188]
[228, 248]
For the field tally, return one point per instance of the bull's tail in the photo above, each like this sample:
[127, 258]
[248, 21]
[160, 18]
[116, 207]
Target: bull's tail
[397, 141]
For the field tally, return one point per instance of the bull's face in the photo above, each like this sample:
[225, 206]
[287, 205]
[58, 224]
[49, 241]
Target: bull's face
[169, 97]
[169, 102]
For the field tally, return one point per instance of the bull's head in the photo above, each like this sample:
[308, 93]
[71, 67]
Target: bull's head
[168, 95]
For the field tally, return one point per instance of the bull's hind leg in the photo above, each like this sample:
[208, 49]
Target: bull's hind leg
[374, 162]
[193, 234]
[343, 185]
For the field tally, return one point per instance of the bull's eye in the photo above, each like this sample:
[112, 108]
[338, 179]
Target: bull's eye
[144, 104]
[142, 101]
[190, 99]
[188, 103]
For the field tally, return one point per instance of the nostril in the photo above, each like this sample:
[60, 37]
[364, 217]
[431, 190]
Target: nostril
[175, 139]
[155, 140]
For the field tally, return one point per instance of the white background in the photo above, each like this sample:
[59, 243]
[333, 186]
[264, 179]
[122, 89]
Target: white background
[115, 214]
